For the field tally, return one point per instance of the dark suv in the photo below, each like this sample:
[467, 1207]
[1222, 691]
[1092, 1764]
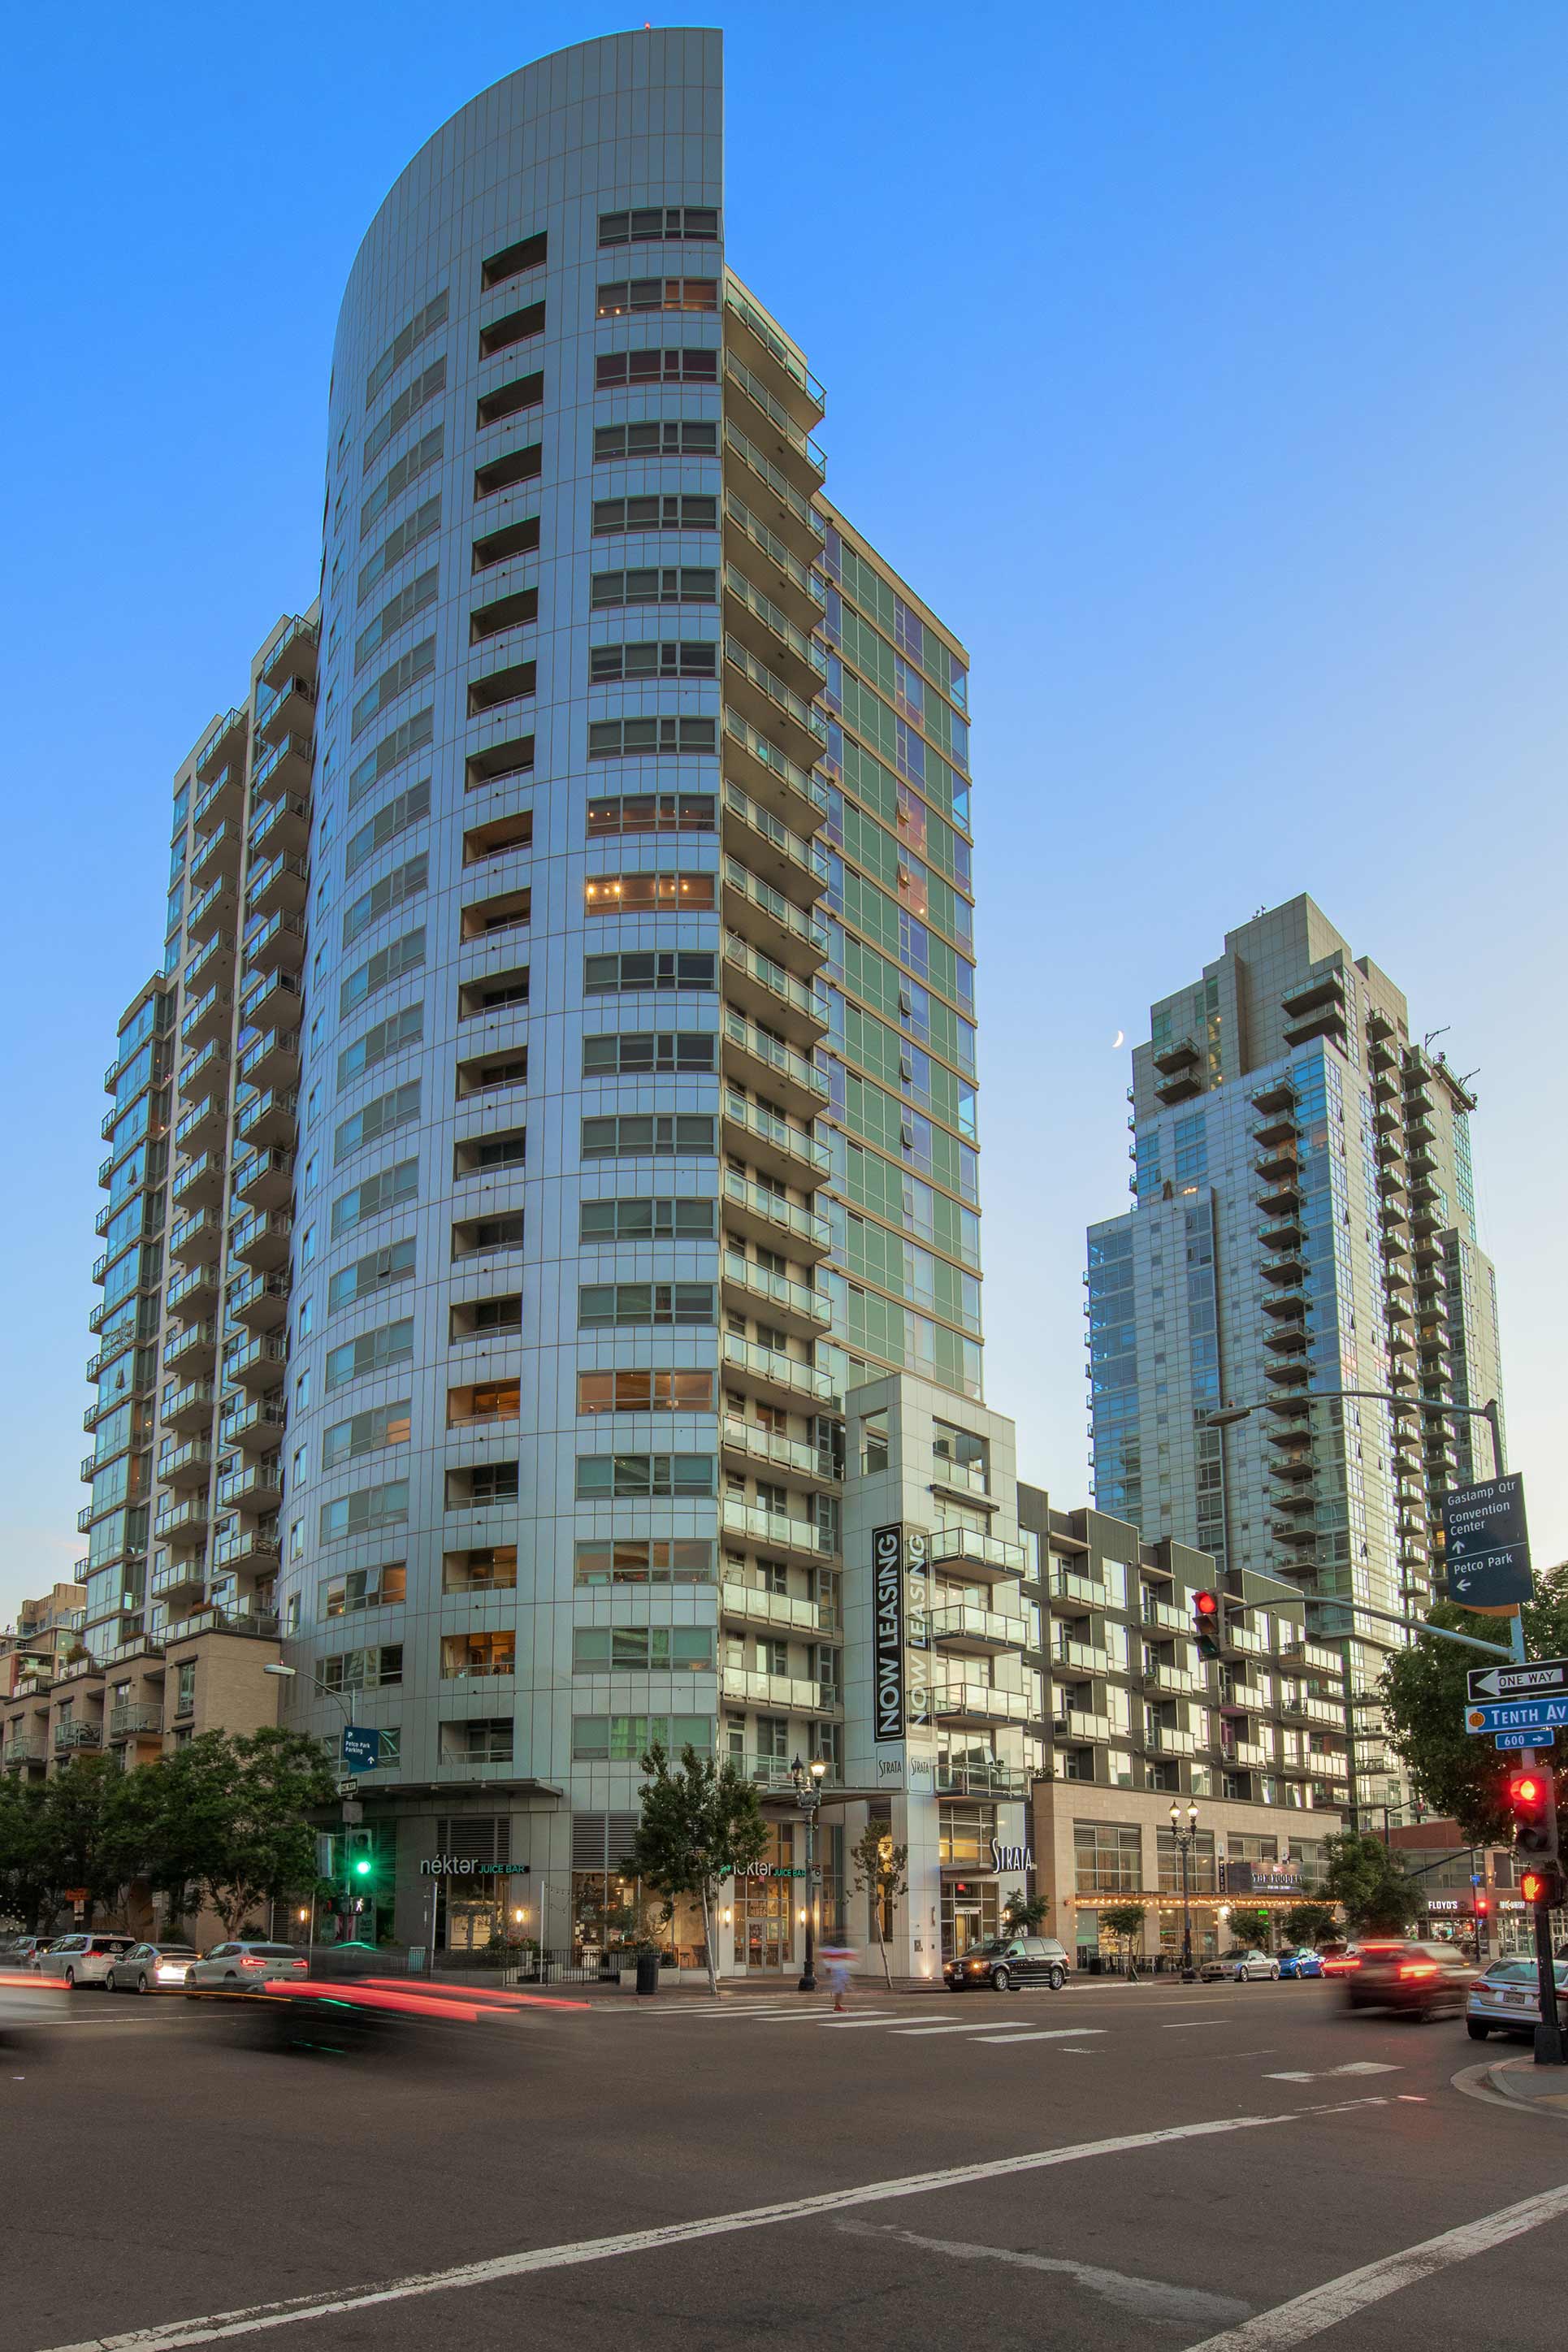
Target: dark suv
[1004, 1960]
[1421, 1980]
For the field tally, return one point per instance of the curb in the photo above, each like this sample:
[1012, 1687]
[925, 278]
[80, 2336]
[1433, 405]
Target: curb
[1526, 2085]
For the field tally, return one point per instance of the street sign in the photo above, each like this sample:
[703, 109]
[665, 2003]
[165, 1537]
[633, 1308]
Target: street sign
[1516, 1715]
[1523, 1738]
[1542, 1678]
[361, 1748]
[1485, 1545]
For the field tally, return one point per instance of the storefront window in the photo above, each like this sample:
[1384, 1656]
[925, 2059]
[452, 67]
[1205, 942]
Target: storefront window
[1200, 1879]
[1108, 1857]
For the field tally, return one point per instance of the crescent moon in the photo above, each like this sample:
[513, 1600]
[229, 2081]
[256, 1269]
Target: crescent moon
[1116, 1039]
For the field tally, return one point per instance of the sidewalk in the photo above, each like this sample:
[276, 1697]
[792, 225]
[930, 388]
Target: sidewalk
[1545, 2087]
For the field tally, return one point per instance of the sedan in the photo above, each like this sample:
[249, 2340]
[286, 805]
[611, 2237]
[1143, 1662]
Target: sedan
[1506, 1998]
[1241, 1966]
[244, 1967]
[1420, 1979]
[150, 1967]
[1304, 1963]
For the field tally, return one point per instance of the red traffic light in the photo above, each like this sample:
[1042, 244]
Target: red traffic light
[1483, 1905]
[1206, 1604]
[1525, 1791]
[1537, 1886]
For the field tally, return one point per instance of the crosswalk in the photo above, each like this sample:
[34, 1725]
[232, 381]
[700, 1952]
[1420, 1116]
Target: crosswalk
[913, 2024]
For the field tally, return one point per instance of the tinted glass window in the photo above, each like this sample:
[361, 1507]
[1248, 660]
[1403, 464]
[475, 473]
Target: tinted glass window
[275, 1952]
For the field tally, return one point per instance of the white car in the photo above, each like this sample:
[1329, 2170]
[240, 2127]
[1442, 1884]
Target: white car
[244, 1967]
[1506, 1998]
[1241, 1966]
[81, 1960]
[150, 1967]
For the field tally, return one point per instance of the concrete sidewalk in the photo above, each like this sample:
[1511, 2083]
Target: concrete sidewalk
[1543, 2087]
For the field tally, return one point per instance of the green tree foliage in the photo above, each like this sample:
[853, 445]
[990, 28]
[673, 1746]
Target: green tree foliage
[1022, 1914]
[1307, 1923]
[879, 1868]
[1124, 1919]
[1249, 1925]
[31, 1892]
[1371, 1885]
[1424, 1692]
[701, 1822]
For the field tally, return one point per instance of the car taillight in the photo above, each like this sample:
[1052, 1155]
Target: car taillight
[247, 1962]
[1418, 1968]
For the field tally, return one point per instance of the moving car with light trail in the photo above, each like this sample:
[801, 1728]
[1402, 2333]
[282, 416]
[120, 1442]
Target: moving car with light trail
[1416, 1980]
[243, 1967]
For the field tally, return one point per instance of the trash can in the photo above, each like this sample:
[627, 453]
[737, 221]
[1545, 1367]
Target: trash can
[647, 1972]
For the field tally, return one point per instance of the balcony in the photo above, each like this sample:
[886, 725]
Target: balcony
[296, 649]
[781, 1612]
[257, 1423]
[1167, 1739]
[980, 1779]
[261, 1239]
[754, 760]
[1078, 1657]
[205, 1069]
[802, 1308]
[777, 1375]
[203, 1124]
[279, 944]
[974, 1632]
[756, 615]
[179, 1575]
[764, 1060]
[188, 1464]
[220, 800]
[200, 1180]
[69, 1737]
[257, 1364]
[194, 1349]
[793, 584]
[134, 1719]
[773, 1145]
[1180, 1071]
[1176, 1680]
[285, 768]
[273, 1060]
[965, 1551]
[757, 1213]
[210, 965]
[22, 1752]
[754, 911]
[771, 423]
[211, 914]
[189, 1407]
[224, 745]
[187, 1517]
[272, 999]
[758, 986]
[786, 1694]
[742, 1439]
[1247, 1753]
[251, 1551]
[766, 699]
[264, 1179]
[786, 510]
[1163, 1614]
[279, 887]
[788, 860]
[1076, 1724]
[270, 1120]
[773, 1776]
[259, 1302]
[214, 853]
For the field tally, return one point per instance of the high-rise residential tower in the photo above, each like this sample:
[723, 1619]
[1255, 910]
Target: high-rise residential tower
[637, 1114]
[1304, 1221]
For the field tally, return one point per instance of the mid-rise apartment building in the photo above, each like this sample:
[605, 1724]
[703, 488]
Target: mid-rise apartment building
[1303, 1230]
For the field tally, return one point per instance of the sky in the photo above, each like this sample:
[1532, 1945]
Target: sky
[1202, 367]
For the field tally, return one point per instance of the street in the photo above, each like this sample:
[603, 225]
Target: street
[1165, 2165]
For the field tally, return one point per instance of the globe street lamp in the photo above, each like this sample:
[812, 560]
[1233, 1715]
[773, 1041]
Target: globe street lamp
[808, 1796]
[1184, 1837]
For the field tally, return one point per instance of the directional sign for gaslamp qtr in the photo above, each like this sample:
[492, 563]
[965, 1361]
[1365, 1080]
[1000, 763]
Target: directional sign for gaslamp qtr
[1516, 1715]
[1542, 1678]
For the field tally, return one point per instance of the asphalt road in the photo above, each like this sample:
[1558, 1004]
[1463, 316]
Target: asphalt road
[1100, 2168]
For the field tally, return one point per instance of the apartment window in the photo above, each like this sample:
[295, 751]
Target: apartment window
[1107, 1858]
[678, 364]
[482, 1484]
[483, 1236]
[513, 758]
[371, 1506]
[618, 296]
[369, 1275]
[408, 534]
[513, 538]
[505, 473]
[387, 1037]
[399, 813]
[674, 437]
[389, 964]
[405, 344]
[652, 658]
[514, 612]
[499, 685]
[492, 1076]
[517, 327]
[627, 1738]
[651, 812]
[644, 1391]
[639, 1648]
[649, 894]
[528, 252]
[638, 970]
[184, 1688]
[414, 397]
[489, 1568]
[649, 223]
[502, 837]
[364, 1587]
[414, 598]
[667, 1218]
[603, 1303]
[674, 511]
[375, 1669]
[635, 1134]
[396, 480]
[377, 1193]
[476, 998]
[372, 1352]
[485, 918]
[377, 1118]
[512, 399]
[479, 1316]
[1202, 1877]
[659, 1053]
[414, 735]
[366, 1432]
[483, 1401]
[684, 584]
[482, 1153]
[644, 1559]
[467, 1656]
[393, 889]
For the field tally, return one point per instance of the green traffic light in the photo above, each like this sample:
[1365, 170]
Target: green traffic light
[361, 1868]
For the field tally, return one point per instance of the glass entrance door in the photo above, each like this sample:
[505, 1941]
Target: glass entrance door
[765, 1908]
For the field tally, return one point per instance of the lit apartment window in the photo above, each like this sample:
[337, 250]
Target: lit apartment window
[649, 223]
[644, 1391]
[621, 297]
[649, 894]
[651, 812]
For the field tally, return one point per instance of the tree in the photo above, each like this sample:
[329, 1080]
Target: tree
[1371, 1885]
[1124, 1919]
[880, 1867]
[1248, 1925]
[225, 1820]
[1424, 1694]
[1022, 1914]
[1307, 1923]
[701, 1822]
[88, 1836]
[29, 1890]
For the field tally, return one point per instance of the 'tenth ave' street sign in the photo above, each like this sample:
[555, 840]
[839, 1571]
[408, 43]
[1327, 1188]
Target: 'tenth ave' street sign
[1518, 1714]
[1523, 1739]
[1542, 1678]
[1485, 1544]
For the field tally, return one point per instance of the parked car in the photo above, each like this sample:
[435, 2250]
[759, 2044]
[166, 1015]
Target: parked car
[1302, 1963]
[81, 1960]
[1242, 1966]
[1417, 1980]
[243, 1967]
[149, 1968]
[1004, 1960]
[1506, 1998]
[1339, 1959]
[19, 1951]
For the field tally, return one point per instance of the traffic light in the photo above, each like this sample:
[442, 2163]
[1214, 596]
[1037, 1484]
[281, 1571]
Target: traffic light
[1532, 1802]
[1483, 1905]
[1208, 1626]
[1542, 1882]
[361, 1861]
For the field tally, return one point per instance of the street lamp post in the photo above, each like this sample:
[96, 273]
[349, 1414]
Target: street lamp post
[345, 1787]
[1184, 1837]
[808, 1796]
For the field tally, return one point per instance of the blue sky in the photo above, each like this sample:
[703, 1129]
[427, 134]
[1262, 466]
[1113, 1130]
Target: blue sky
[1205, 367]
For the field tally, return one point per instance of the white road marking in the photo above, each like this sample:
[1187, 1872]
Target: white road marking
[821, 2017]
[975, 2025]
[173, 2336]
[1195, 2025]
[1061, 2033]
[1147, 2298]
[1324, 2306]
[1359, 2066]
